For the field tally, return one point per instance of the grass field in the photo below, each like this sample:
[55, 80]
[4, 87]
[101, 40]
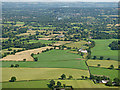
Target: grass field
[52, 59]
[103, 63]
[106, 72]
[77, 44]
[101, 49]
[41, 73]
[43, 84]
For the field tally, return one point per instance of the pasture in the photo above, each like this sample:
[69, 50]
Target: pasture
[103, 63]
[102, 49]
[41, 73]
[103, 71]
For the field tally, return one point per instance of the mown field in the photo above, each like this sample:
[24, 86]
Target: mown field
[103, 63]
[43, 84]
[19, 56]
[52, 59]
[77, 44]
[102, 49]
[103, 71]
[41, 73]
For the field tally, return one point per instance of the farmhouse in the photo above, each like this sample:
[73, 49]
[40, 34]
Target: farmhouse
[83, 51]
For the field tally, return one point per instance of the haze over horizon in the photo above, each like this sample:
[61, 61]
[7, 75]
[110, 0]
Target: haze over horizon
[60, 0]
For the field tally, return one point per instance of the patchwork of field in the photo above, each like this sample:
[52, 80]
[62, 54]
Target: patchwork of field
[61, 43]
[102, 49]
[24, 55]
[53, 59]
[103, 63]
[41, 73]
[112, 73]
[43, 84]
[77, 44]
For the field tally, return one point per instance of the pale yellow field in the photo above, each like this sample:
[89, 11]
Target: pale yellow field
[103, 63]
[41, 73]
[44, 38]
[82, 84]
[24, 55]
[61, 43]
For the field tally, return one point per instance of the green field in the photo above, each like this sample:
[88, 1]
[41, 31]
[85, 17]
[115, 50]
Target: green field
[52, 59]
[101, 49]
[43, 84]
[41, 73]
[106, 72]
[42, 41]
[103, 63]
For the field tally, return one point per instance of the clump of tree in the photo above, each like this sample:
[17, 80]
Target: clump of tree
[114, 45]
[16, 65]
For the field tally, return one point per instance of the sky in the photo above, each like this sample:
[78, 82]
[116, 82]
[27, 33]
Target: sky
[60, 0]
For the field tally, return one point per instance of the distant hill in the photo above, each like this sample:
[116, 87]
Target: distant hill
[59, 4]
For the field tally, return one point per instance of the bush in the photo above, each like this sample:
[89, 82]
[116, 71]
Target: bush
[12, 65]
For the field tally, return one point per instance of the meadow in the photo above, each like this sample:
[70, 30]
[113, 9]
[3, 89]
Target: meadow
[112, 73]
[42, 41]
[103, 63]
[102, 49]
[41, 73]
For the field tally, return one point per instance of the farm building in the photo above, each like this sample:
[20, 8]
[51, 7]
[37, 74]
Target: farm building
[83, 51]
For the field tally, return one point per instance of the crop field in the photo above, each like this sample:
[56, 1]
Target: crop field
[24, 55]
[106, 72]
[77, 44]
[103, 63]
[51, 59]
[102, 49]
[19, 24]
[41, 73]
[61, 43]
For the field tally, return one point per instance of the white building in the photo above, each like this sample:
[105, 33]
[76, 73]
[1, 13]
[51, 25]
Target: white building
[83, 51]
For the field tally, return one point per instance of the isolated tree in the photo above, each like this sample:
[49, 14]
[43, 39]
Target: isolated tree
[63, 76]
[86, 77]
[35, 59]
[24, 60]
[12, 65]
[98, 65]
[108, 58]
[111, 67]
[13, 79]
[32, 54]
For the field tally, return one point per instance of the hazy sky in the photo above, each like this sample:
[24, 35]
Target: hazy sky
[59, 0]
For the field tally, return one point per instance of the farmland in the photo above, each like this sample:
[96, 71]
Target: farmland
[53, 59]
[24, 55]
[78, 44]
[103, 71]
[43, 84]
[101, 49]
[103, 63]
[41, 73]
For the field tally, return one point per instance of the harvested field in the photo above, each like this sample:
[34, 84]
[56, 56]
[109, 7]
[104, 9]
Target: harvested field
[61, 43]
[103, 63]
[24, 55]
